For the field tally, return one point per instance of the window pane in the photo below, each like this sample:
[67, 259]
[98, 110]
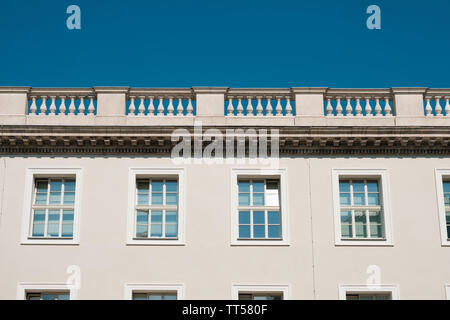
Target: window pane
[156, 216]
[358, 186]
[172, 186]
[53, 223]
[372, 186]
[67, 227]
[274, 217]
[258, 199]
[171, 230]
[272, 185]
[446, 186]
[42, 186]
[157, 186]
[69, 198]
[170, 297]
[259, 232]
[55, 185]
[360, 224]
[171, 199]
[359, 199]
[376, 231]
[143, 199]
[55, 197]
[244, 199]
[344, 186]
[346, 217]
[346, 231]
[244, 217]
[156, 230]
[373, 199]
[345, 199]
[447, 199]
[48, 296]
[258, 186]
[244, 187]
[69, 186]
[375, 217]
[155, 297]
[244, 231]
[63, 297]
[274, 231]
[258, 217]
[139, 296]
[38, 223]
[171, 216]
[141, 231]
[157, 198]
[41, 198]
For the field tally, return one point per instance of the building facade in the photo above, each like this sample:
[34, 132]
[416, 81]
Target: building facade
[220, 193]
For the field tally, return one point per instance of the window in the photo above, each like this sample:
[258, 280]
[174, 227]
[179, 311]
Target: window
[443, 194]
[259, 207]
[154, 291]
[52, 202]
[361, 207]
[364, 292]
[382, 296]
[43, 291]
[155, 296]
[48, 296]
[260, 292]
[156, 207]
[447, 291]
[53, 208]
[260, 296]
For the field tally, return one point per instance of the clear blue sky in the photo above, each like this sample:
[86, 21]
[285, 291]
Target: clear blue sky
[264, 43]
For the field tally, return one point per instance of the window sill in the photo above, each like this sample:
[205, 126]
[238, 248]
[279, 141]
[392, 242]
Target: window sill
[155, 242]
[50, 241]
[259, 242]
[364, 242]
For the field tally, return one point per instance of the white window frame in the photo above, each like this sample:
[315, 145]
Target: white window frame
[130, 288]
[368, 289]
[24, 288]
[30, 176]
[255, 174]
[162, 173]
[442, 174]
[236, 289]
[382, 176]
[447, 291]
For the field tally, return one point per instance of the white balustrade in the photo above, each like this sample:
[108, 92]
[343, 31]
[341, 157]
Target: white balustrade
[344, 103]
[258, 104]
[437, 105]
[151, 103]
[54, 102]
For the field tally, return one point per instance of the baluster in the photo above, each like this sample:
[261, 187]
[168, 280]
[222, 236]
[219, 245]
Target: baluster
[170, 108]
[368, 108]
[151, 107]
[278, 108]
[43, 108]
[72, 106]
[329, 108]
[339, 107]
[230, 108]
[190, 108]
[180, 107]
[62, 106]
[91, 107]
[52, 109]
[387, 108]
[141, 108]
[249, 107]
[132, 107]
[358, 108]
[160, 110]
[240, 108]
[33, 107]
[288, 106]
[269, 109]
[81, 107]
[428, 108]
[377, 107]
[348, 108]
[447, 106]
[259, 107]
[438, 107]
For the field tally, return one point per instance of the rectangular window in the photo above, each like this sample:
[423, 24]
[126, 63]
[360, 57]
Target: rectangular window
[446, 185]
[382, 296]
[259, 209]
[443, 196]
[361, 210]
[154, 296]
[48, 295]
[53, 208]
[362, 213]
[156, 209]
[260, 296]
